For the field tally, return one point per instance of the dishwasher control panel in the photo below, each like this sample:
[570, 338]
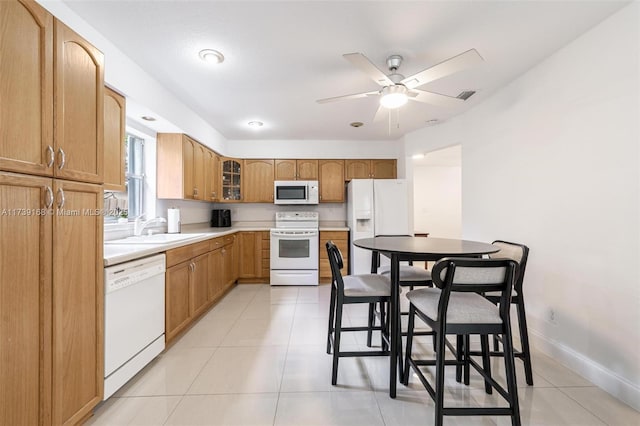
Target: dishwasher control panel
[119, 276]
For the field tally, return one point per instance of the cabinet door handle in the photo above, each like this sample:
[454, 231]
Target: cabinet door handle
[60, 195]
[49, 201]
[52, 156]
[63, 158]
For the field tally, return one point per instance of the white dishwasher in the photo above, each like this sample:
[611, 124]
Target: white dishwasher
[133, 318]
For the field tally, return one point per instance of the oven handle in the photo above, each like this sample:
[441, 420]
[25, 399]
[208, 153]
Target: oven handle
[306, 234]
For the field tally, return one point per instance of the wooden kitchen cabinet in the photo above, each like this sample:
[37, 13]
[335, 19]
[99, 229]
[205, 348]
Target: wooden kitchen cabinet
[370, 169]
[250, 247]
[114, 140]
[199, 184]
[182, 168]
[177, 306]
[25, 304]
[216, 275]
[296, 169]
[199, 287]
[26, 88]
[186, 286]
[258, 181]
[78, 301]
[341, 240]
[212, 176]
[266, 256]
[78, 108]
[230, 179]
[331, 181]
[357, 169]
[254, 251]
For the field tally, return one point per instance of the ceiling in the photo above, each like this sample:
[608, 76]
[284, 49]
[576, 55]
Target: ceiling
[280, 57]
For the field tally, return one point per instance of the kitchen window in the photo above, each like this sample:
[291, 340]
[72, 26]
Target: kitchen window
[134, 164]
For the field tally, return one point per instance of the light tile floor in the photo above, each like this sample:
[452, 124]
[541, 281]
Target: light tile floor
[258, 358]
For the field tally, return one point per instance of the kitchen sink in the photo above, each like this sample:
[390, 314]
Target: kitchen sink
[155, 239]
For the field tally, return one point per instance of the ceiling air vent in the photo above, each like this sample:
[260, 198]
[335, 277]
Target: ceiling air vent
[466, 94]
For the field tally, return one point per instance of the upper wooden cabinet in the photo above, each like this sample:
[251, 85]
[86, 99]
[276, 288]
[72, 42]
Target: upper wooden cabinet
[183, 168]
[26, 88]
[212, 176]
[296, 169]
[79, 103]
[199, 178]
[258, 181]
[331, 181]
[114, 140]
[231, 171]
[370, 169]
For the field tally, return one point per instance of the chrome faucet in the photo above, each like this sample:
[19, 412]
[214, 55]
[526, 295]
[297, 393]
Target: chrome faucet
[140, 224]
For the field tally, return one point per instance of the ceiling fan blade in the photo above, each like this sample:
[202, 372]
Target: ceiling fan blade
[365, 65]
[342, 98]
[450, 66]
[436, 99]
[381, 114]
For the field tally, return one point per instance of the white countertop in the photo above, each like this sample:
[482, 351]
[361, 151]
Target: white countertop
[119, 253]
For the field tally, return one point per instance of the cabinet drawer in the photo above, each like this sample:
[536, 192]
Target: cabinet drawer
[181, 254]
[333, 235]
[325, 268]
[228, 239]
[342, 245]
[216, 243]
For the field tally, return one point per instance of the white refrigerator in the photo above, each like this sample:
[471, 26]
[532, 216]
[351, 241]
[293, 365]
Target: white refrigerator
[376, 207]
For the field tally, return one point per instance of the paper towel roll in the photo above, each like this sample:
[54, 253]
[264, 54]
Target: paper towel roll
[173, 220]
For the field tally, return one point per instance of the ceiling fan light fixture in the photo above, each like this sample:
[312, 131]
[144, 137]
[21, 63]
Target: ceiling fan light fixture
[393, 96]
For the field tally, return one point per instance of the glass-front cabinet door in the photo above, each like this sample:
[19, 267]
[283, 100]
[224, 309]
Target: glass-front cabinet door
[231, 180]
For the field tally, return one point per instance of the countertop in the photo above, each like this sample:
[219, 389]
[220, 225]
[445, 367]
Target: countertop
[119, 253]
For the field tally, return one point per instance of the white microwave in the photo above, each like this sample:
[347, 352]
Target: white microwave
[295, 192]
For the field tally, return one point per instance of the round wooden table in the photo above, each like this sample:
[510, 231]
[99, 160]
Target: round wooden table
[400, 249]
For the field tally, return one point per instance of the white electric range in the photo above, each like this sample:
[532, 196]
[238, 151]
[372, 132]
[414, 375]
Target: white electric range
[294, 249]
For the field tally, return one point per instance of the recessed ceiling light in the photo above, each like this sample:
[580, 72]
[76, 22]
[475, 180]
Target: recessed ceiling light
[148, 118]
[211, 56]
[356, 124]
[255, 124]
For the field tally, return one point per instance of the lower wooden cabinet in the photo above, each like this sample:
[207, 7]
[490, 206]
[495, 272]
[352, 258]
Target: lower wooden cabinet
[254, 249]
[78, 301]
[177, 313]
[197, 276]
[199, 287]
[340, 239]
[25, 301]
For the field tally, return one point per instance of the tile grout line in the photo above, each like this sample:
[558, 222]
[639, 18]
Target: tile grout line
[578, 402]
[286, 357]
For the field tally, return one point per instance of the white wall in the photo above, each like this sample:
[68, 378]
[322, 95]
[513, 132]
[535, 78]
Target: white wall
[437, 195]
[140, 88]
[552, 160]
[314, 149]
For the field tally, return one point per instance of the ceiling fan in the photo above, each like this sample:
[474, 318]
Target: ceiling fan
[397, 89]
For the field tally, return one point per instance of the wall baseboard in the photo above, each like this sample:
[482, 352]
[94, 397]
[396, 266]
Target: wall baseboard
[609, 381]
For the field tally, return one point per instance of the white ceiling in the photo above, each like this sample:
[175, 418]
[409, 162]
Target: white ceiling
[283, 56]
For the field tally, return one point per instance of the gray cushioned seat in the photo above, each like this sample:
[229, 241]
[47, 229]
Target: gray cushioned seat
[408, 273]
[366, 285]
[464, 308]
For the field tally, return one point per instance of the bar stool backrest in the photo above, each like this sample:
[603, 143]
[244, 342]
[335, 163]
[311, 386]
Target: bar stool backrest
[336, 264]
[474, 275]
[513, 251]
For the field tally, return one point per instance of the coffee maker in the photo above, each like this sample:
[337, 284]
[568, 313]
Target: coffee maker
[220, 218]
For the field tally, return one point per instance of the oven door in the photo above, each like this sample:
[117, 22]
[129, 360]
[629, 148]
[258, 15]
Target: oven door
[294, 249]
